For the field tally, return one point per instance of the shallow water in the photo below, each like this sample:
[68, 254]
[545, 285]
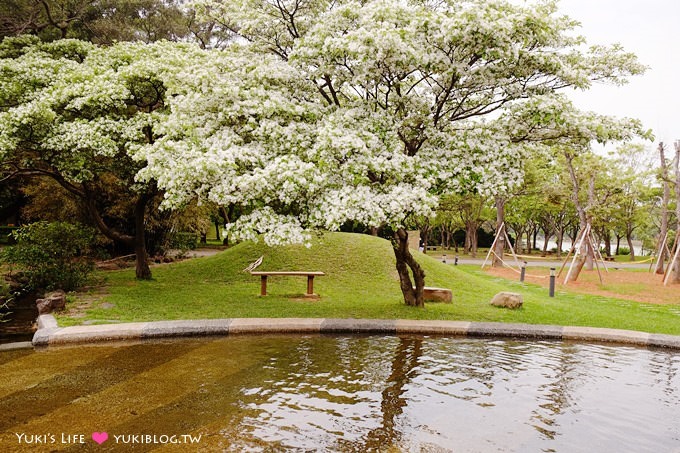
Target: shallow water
[342, 393]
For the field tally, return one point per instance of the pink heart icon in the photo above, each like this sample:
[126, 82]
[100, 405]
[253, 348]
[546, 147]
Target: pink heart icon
[100, 438]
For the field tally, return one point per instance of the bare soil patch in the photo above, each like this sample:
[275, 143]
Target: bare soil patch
[639, 286]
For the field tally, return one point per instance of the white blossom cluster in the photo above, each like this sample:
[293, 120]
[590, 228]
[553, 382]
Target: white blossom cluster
[71, 104]
[323, 111]
[329, 111]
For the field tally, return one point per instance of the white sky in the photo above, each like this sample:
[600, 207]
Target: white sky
[651, 30]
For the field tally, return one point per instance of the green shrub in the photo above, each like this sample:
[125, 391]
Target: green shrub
[52, 255]
[624, 251]
[5, 298]
[183, 241]
[6, 234]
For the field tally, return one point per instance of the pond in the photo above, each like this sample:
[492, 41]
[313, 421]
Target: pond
[341, 393]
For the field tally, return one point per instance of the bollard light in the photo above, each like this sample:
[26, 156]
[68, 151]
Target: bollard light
[552, 282]
[444, 258]
[523, 272]
[455, 261]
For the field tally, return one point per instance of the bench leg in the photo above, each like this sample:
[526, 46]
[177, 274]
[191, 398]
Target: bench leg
[263, 285]
[310, 285]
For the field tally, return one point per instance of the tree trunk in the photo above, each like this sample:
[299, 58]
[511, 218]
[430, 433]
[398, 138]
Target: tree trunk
[424, 237]
[629, 239]
[675, 276]
[618, 244]
[560, 238]
[217, 230]
[546, 238]
[528, 249]
[473, 242]
[142, 270]
[412, 290]
[584, 251]
[471, 238]
[500, 233]
[590, 257]
[663, 231]
[607, 243]
[584, 220]
[467, 246]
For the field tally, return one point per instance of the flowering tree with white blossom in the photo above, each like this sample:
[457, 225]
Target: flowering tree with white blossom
[77, 113]
[326, 111]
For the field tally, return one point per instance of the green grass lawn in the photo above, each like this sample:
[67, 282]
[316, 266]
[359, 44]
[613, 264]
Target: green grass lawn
[360, 282]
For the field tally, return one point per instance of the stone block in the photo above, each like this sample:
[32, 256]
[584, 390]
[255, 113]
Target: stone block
[438, 295]
[53, 301]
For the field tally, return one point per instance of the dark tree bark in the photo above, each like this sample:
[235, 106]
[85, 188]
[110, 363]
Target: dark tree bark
[471, 238]
[547, 235]
[629, 239]
[142, 269]
[217, 230]
[227, 215]
[407, 266]
[675, 271]
[528, 249]
[560, 241]
[607, 243]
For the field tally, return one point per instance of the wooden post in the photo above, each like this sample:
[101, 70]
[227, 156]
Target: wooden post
[493, 244]
[310, 285]
[263, 285]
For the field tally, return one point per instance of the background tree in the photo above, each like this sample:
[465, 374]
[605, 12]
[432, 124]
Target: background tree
[631, 175]
[107, 21]
[568, 133]
[448, 220]
[77, 114]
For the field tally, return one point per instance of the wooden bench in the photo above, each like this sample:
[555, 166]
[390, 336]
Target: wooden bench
[310, 280]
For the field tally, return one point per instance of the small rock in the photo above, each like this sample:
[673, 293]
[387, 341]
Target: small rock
[507, 300]
[53, 301]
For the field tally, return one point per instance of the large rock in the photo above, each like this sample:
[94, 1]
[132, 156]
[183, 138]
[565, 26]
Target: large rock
[507, 300]
[53, 301]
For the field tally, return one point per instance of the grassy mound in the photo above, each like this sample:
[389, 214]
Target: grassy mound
[360, 282]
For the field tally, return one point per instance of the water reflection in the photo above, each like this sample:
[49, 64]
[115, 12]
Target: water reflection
[369, 393]
[404, 369]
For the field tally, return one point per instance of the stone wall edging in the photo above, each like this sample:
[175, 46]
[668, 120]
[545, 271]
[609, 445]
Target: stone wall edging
[50, 334]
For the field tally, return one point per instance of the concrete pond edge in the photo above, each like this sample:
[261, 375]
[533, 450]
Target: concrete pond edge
[50, 334]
